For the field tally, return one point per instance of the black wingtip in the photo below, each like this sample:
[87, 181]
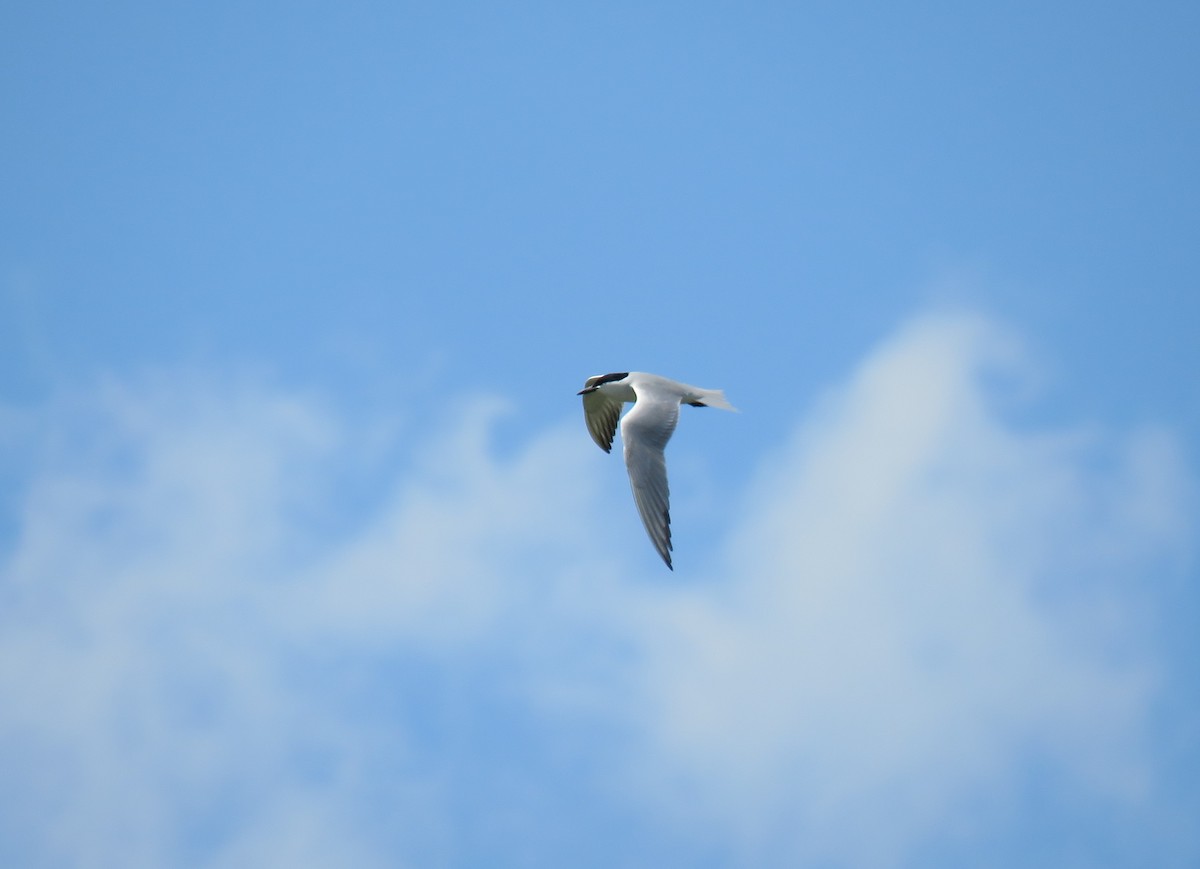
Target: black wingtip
[666, 556]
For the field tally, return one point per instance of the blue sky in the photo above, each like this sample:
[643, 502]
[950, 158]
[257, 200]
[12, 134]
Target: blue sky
[306, 558]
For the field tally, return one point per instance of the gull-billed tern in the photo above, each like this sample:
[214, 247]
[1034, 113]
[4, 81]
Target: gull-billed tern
[645, 431]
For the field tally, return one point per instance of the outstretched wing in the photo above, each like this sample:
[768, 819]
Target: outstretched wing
[645, 432]
[601, 414]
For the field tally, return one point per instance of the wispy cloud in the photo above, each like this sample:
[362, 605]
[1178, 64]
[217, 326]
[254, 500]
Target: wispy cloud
[922, 605]
[919, 609]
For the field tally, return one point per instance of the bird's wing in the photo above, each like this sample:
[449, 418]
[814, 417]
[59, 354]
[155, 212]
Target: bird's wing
[645, 431]
[601, 414]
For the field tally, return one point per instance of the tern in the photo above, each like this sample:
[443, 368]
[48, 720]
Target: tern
[645, 431]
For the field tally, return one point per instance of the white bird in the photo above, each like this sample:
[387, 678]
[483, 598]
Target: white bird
[645, 431]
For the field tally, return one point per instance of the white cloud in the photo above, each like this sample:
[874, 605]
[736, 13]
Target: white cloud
[191, 653]
[919, 602]
[904, 625]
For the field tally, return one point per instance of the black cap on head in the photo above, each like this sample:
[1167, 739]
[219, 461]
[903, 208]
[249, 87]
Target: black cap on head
[592, 383]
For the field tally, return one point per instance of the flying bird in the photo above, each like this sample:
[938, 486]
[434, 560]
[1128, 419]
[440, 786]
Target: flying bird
[645, 431]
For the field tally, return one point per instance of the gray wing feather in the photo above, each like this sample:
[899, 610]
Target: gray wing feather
[601, 414]
[645, 431]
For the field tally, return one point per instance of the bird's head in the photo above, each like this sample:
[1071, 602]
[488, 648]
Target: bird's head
[600, 380]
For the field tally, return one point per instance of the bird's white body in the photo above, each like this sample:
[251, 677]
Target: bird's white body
[645, 431]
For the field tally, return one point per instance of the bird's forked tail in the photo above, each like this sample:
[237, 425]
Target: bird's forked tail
[710, 398]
